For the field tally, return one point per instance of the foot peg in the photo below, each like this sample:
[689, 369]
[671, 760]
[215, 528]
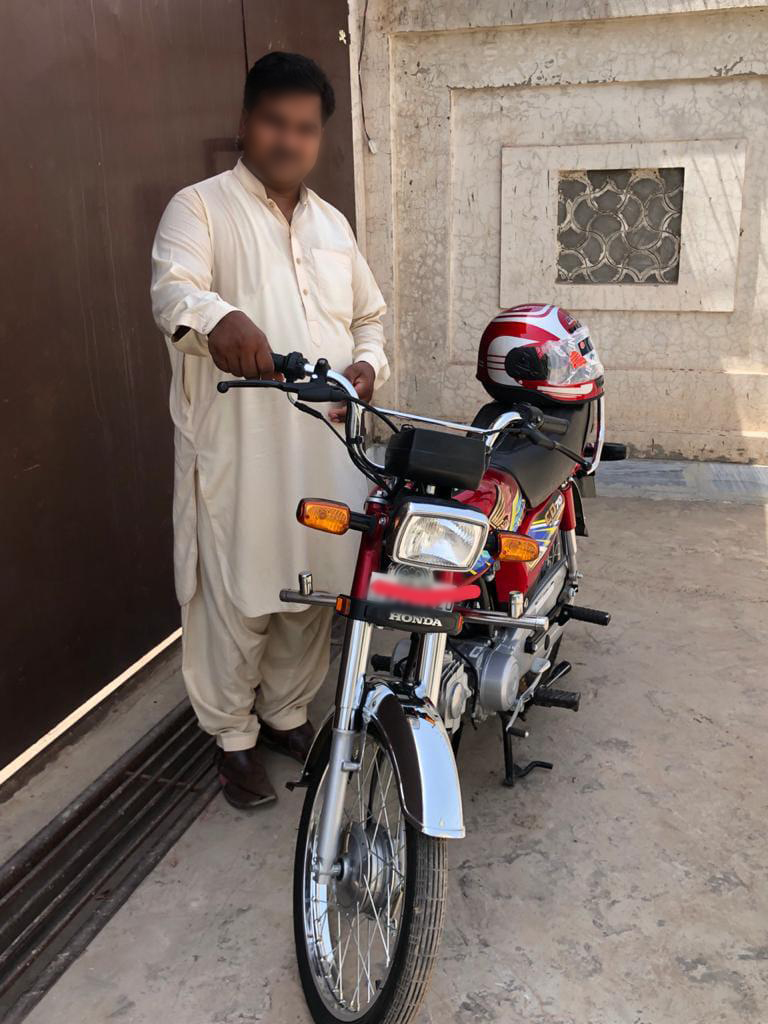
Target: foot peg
[572, 611]
[546, 697]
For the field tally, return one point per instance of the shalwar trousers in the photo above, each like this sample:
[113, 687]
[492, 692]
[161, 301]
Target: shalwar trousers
[239, 670]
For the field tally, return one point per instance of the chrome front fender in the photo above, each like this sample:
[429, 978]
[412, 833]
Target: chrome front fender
[422, 756]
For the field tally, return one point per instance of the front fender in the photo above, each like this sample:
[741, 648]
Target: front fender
[425, 766]
[422, 756]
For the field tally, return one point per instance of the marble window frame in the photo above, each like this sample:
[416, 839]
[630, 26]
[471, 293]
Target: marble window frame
[710, 229]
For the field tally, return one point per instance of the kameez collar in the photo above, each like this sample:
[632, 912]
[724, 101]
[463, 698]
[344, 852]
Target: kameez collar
[256, 186]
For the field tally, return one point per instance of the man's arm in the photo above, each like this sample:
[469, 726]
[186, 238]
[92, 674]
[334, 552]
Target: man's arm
[367, 312]
[182, 300]
[370, 366]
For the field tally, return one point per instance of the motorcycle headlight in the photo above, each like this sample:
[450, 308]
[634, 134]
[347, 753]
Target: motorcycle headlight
[437, 536]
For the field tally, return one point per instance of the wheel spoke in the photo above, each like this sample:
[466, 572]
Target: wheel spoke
[354, 921]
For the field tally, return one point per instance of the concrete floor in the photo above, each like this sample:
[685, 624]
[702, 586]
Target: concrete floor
[628, 886]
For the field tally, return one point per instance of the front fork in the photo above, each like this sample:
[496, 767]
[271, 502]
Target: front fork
[349, 697]
[349, 700]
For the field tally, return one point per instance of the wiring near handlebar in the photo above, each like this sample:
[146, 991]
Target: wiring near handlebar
[375, 412]
[375, 478]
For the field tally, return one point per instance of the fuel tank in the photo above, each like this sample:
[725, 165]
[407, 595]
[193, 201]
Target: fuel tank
[500, 498]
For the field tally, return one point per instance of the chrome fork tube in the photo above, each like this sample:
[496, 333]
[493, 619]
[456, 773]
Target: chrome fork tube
[354, 661]
[569, 539]
[430, 666]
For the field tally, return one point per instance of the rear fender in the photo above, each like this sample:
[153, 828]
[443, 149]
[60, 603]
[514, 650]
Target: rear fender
[422, 756]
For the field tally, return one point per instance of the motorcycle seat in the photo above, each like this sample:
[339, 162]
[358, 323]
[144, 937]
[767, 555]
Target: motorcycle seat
[538, 471]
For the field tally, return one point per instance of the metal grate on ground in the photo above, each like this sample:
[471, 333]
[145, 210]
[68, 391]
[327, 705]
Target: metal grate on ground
[62, 887]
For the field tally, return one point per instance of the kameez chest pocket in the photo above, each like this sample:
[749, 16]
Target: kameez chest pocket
[333, 269]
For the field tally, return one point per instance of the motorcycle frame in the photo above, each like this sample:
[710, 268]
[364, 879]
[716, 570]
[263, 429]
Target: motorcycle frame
[410, 729]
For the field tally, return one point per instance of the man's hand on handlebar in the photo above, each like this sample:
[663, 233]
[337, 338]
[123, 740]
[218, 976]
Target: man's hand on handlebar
[361, 375]
[239, 347]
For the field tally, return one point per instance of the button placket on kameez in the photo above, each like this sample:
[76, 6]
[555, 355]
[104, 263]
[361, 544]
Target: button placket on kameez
[301, 277]
[299, 268]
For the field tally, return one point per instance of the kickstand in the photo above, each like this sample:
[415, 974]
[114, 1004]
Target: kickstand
[513, 771]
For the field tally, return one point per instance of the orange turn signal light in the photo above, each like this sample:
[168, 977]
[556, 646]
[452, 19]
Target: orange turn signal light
[328, 516]
[516, 547]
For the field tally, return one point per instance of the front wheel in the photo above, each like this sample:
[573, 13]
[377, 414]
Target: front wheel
[366, 942]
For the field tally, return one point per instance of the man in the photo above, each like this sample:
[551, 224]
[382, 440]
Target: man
[246, 262]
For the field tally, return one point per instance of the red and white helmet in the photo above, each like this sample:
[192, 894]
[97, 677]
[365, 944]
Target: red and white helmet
[538, 351]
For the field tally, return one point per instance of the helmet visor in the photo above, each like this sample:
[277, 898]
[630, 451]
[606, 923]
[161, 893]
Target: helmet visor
[572, 360]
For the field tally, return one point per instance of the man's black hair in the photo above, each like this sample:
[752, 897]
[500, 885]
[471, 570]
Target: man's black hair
[288, 72]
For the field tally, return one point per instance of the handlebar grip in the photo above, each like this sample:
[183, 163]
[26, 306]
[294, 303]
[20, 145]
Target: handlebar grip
[279, 362]
[554, 425]
[291, 366]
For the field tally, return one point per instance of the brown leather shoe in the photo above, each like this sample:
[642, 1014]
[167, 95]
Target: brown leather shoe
[293, 743]
[244, 780]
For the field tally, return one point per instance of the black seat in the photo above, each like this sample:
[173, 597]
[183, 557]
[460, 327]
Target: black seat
[537, 470]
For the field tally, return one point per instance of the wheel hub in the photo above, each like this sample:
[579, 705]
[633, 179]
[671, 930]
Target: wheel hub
[365, 869]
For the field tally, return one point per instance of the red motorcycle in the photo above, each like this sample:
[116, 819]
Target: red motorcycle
[468, 548]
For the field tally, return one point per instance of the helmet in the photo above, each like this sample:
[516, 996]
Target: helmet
[532, 351]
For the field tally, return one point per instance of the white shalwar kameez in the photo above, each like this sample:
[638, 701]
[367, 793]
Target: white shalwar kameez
[244, 459]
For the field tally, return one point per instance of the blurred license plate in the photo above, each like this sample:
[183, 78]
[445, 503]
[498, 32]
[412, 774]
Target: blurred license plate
[424, 593]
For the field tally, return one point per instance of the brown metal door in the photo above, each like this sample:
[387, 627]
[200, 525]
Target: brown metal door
[108, 109]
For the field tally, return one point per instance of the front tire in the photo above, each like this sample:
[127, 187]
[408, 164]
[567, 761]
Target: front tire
[366, 943]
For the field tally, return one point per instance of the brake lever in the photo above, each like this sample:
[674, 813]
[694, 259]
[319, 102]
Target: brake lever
[321, 391]
[537, 437]
[224, 385]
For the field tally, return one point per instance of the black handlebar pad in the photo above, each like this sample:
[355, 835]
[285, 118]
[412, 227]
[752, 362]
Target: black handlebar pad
[554, 425]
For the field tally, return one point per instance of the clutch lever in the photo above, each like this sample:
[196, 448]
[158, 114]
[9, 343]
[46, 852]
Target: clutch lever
[537, 437]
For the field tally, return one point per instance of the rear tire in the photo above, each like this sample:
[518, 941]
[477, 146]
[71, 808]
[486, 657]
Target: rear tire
[404, 987]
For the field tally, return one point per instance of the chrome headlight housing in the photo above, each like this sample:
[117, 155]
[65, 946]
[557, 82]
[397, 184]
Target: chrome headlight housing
[437, 536]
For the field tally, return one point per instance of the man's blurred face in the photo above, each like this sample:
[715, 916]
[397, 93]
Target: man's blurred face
[281, 136]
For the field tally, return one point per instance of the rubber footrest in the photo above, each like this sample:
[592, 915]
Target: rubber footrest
[572, 611]
[546, 697]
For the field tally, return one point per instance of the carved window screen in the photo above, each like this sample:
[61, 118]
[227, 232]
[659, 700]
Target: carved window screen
[619, 226]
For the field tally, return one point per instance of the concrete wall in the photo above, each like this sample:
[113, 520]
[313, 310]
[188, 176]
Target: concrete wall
[472, 109]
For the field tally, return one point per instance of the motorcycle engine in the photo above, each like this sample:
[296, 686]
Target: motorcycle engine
[454, 692]
[497, 668]
[495, 665]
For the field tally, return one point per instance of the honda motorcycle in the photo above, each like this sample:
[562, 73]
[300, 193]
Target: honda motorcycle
[467, 548]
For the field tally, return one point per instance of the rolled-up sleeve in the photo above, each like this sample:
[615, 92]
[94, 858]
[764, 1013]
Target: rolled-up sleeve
[368, 309]
[182, 272]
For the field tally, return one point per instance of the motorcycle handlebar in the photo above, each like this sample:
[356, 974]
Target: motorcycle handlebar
[279, 362]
